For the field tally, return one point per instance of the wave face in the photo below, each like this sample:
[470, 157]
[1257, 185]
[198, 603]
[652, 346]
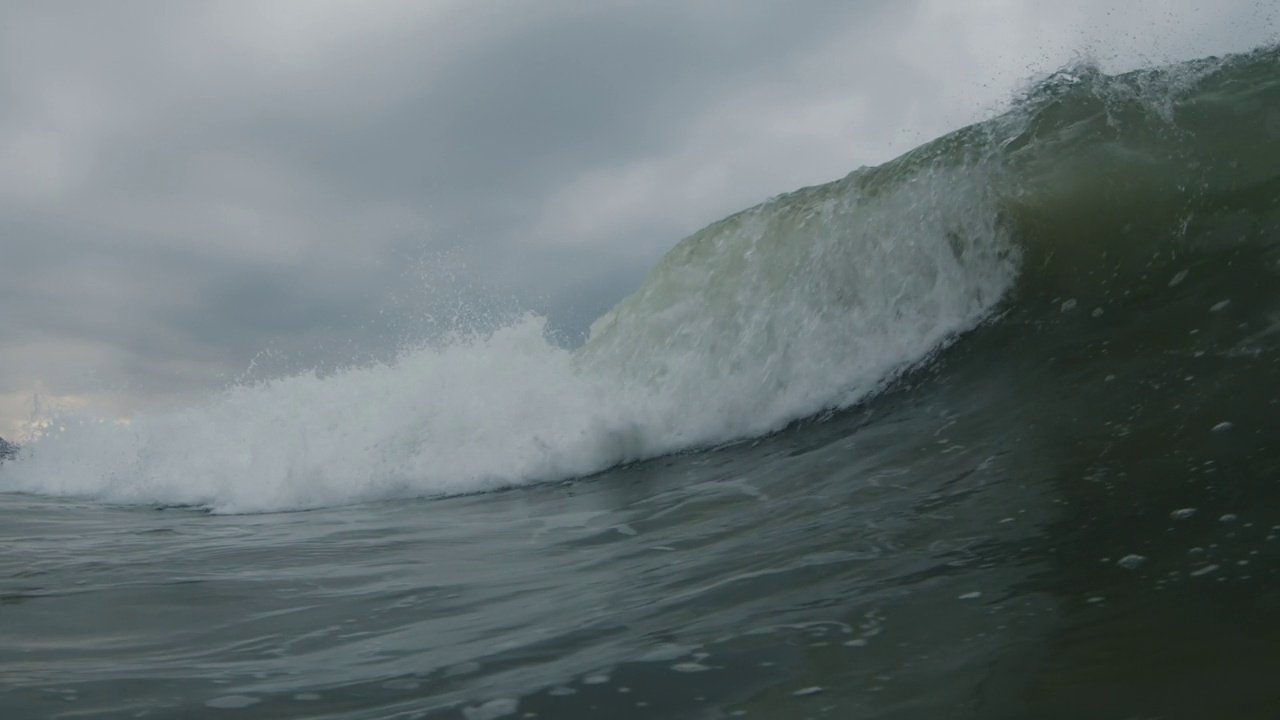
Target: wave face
[1093, 190]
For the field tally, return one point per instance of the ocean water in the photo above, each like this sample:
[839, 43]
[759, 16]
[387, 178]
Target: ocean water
[988, 431]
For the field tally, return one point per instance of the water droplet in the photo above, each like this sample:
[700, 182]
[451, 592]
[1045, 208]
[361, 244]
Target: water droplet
[491, 710]
[561, 691]
[232, 702]
[808, 692]
[1129, 562]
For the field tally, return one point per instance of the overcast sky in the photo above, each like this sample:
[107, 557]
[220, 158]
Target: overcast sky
[191, 190]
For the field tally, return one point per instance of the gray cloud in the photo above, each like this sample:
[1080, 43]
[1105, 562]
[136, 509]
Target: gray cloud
[187, 190]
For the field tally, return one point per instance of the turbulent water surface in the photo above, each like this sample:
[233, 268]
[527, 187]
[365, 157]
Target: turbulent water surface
[987, 431]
